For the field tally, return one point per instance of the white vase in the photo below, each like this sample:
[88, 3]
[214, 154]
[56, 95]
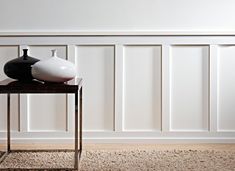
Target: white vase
[54, 69]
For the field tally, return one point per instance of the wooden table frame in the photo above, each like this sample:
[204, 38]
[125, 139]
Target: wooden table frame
[10, 86]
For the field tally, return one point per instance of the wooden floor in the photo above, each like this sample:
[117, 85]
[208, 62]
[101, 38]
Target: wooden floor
[127, 146]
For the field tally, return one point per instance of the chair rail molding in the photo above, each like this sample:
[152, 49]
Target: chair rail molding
[139, 87]
[102, 32]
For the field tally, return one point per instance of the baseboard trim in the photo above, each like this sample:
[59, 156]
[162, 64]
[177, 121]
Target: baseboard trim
[121, 140]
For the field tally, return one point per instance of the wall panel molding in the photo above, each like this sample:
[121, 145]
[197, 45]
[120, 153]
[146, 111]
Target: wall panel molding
[226, 90]
[142, 87]
[214, 72]
[95, 63]
[119, 33]
[189, 67]
[119, 88]
[113, 65]
[166, 88]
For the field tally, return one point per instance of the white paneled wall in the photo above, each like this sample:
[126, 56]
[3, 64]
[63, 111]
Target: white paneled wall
[189, 87]
[226, 84]
[136, 89]
[44, 111]
[142, 88]
[96, 65]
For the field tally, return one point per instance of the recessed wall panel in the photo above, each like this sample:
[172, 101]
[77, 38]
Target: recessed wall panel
[142, 88]
[47, 112]
[189, 77]
[226, 88]
[96, 66]
[7, 53]
[47, 109]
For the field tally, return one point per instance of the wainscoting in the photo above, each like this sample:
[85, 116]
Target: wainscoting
[136, 89]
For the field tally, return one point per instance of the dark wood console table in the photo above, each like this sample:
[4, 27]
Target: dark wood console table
[10, 86]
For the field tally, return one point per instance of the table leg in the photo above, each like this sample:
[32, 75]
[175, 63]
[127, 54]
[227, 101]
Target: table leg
[8, 124]
[76, 132]
[80, 119]
[8, 150]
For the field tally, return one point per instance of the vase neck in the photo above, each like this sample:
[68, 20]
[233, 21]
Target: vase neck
[25, 53]
[54, 53]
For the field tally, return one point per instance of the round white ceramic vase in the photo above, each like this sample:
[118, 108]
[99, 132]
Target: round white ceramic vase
[54, 69]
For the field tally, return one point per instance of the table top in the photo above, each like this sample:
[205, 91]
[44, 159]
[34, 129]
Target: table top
[35, 86]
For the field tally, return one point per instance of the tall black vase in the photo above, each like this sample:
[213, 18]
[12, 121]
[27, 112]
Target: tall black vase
[20, 68]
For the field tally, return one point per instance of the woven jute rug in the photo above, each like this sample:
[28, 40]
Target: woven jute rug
[127, 160]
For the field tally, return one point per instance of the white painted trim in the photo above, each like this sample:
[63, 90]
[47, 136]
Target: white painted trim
[24, 124]
[226, 130]
[166, 88]
[213, 88]
[149, 140]
[111, 134]
[120, 135]
[117, 32]
[23, 102]
[119, 88]
[71, 56]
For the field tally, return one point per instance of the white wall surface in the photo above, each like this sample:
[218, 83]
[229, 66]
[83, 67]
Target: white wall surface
[119, 15]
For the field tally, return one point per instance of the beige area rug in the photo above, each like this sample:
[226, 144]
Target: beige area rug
[121, 160]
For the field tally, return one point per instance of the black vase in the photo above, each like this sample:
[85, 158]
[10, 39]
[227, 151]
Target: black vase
[20, 68]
